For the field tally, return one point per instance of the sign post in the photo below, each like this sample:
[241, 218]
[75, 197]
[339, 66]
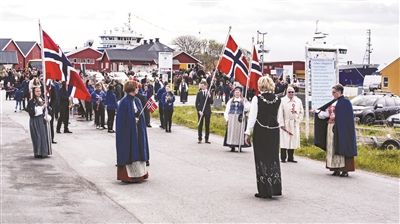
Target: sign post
[321, 73]
[165, 63]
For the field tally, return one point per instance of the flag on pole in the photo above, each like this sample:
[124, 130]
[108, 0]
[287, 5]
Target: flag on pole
[58, 67]
[233, 62]
[255, 71]
[151, 105]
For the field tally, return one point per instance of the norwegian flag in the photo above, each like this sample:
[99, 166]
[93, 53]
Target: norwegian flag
[58, 67]
[233, 62]
[151, 105]
[255, 71]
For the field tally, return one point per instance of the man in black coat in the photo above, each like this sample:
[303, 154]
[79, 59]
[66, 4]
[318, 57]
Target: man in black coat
[64, 109]
[203, 112]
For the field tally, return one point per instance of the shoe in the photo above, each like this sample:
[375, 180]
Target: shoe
[97, 127]
[67, 131]
[233, 149]
[111, 131]
[292, 161]
[283, 161]
[207, 142]
[344, 174]
[58, 131]
[262, 196]
[147, 163]
[199, 141]
[336, 173]
[149, 126]
[53, 142]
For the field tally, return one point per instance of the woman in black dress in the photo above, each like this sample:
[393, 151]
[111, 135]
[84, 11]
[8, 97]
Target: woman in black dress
[263, 119]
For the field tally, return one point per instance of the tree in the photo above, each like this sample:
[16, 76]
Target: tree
[189, 44]
[207, 51]
[211, 54]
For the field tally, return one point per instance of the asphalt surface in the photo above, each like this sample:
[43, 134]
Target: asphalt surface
[188, 182]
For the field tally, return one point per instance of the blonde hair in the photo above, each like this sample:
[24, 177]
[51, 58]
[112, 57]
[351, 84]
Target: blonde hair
[266, 84]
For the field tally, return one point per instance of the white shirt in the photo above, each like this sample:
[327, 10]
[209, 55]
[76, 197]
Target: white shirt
[252, 115]
[228, 106]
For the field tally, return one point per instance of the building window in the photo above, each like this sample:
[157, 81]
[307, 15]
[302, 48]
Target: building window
[386, 82]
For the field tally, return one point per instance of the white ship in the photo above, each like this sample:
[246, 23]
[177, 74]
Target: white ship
[120, 38]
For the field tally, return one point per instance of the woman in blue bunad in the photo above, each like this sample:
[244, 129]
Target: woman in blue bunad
[131, 137]
[235, 117]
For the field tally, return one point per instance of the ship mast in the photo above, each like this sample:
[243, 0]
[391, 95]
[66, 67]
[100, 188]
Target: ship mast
[368, 50]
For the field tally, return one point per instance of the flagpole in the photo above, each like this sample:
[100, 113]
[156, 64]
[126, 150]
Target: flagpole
[46, 100]
[215, 72]
[245, 97]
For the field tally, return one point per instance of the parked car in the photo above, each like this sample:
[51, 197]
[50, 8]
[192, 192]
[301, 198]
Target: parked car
[141, 75]
[369, 108]
[95, 76]
[120, 76]
[394, 120]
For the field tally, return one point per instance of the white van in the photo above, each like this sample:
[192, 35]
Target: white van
[372, 82]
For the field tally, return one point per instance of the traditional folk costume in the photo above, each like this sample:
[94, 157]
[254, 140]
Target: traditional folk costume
[339, 136]
[183, 90]
[131, 141]
[263, 117]
[235, 116]
[290, 115]
[38, 128]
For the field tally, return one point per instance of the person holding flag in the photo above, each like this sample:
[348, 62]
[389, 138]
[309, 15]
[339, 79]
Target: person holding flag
[235, 108]
[131, 137]
[203, 107]
[38, 124]
[168, 100]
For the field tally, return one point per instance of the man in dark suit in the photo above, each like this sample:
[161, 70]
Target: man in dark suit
[203, 112]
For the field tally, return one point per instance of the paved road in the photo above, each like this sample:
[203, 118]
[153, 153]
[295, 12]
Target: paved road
[188, 182]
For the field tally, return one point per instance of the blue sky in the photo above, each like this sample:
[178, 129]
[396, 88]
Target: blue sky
[289, 23]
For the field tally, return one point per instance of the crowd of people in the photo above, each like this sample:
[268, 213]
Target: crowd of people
[269, 121]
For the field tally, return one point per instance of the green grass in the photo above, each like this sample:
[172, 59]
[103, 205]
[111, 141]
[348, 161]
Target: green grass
[193, 89]
[380, 161]
[371, 159]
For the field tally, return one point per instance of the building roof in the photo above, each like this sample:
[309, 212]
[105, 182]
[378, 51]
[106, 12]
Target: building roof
[144, 52]
[184, 52]
[25, 46]
[81, 49]
[4, 42]
[8, 57]
[390, 64]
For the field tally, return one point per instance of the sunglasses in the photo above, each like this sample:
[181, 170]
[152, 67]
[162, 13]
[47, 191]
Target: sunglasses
[290, 92]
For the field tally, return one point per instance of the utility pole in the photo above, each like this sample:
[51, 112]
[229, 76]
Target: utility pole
[368, 51]
[262, 50]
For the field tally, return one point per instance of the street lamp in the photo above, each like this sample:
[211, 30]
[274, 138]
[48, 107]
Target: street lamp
[262, 48]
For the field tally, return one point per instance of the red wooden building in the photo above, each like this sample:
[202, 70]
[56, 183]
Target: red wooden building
[26, 51]
[87, 56]
[185, 61]
[30, 50]
[298, 67]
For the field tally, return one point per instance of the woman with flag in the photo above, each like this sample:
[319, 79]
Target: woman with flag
[38, 125]
[131, 137]
[236, 123]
